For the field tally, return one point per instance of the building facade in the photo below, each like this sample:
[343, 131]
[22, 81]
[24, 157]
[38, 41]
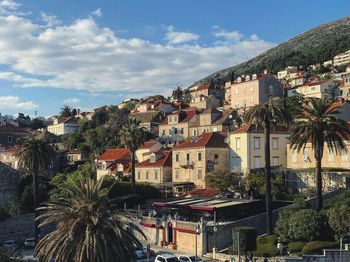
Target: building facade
[9, 182]
[247, 148]
[195, 158]
[322, 89]
[63, 127]
[114, 162]
[10, 133]
[207, 96]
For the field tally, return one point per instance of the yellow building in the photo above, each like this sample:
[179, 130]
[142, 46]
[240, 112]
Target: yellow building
[195, 158]
[156, 170]
[323, 89]
[63, 127]
[247, 148]
[305, 158]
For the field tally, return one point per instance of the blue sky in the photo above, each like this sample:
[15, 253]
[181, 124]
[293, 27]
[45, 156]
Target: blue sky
[90, 53]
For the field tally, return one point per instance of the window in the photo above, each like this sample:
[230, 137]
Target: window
[177, 173]
[200, 174]
[275, 161]
[294, 156]
[244, 89]
[169, 132]
[252, 89]
[175, 131]
[9, 139]
[139, 175]
[146, 175]
[312, 88]
[199, 156]
[177, 157]
[188, 157]
[271, 89]
[344, 155]
[155, 174]
[330, 156]
[182, 130]
[257, 162]
[236, 90]
[238, 143]
[216, 158]
[153, 158]
[256, 142]
[163, 132]
[274, 143]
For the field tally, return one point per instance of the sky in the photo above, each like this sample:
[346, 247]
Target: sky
[88, 53]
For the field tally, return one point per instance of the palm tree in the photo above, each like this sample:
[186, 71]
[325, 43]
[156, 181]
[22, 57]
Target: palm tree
[132, 136]
[35, 154]
[266, 115]
[178, 94]
[88, 226]
[318, 123]
[66, 111]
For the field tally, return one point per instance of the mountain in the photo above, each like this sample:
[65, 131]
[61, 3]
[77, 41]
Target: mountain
[317, 45]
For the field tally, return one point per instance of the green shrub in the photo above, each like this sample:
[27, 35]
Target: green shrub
[296, 247]
[316, 247]
[338, 218]
[267, 246]
[247, 239]
[305, 225]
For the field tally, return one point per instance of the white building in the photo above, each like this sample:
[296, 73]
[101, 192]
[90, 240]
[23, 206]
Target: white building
[63, 127]
[342, 59]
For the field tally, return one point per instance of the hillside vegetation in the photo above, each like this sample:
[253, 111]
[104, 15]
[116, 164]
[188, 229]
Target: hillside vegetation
[317, 45]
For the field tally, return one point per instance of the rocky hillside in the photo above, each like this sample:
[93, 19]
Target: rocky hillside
[314, 46]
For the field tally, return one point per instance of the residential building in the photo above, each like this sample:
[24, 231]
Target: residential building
[325, 89]
[342, 59]
[8, 157]
[9, 182]
[305, 158]
[211, 120]
[75, 156]
[207, 96]
[344, 86]
[328, 63]
[144, 152]
[284, 74]
[63, 126]
[176, 126]
[156, 169]
[113, 162]
[247, 148]
[196, 157]
[10, 133]
[150, 120]
[126, 101]
[252, 90]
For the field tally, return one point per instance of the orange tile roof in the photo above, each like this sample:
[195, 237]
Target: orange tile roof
[203, 192]
[213, 139]
[184, 116]
[148, 144]
[115, 154]
[164, 161]
[9, 128]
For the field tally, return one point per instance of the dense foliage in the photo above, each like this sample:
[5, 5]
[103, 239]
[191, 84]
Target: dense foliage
[316, 247]
[245, 237]
[222, 180]
[267, 246]
[339, 220]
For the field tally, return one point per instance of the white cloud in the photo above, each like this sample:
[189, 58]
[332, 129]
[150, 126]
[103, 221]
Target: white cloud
[85, 56]
[71, 101]
[13, 102]
[174, 37]
[50, 20]
[8, 5]
[97, 12]
[232, 36]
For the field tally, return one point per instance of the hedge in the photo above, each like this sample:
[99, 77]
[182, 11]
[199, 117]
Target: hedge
[316, 247]
[247, 238]
[267, 246]
[296, 247]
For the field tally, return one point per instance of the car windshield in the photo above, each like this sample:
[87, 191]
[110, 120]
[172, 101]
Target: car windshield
[172, 259]
[194, 259]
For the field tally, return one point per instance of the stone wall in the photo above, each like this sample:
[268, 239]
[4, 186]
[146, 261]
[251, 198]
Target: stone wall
[17, 228]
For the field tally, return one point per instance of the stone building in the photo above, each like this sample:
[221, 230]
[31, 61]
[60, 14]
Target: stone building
[10, 133]
[9, 181]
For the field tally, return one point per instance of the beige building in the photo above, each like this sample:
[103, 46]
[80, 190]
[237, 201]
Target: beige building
[253, 90]
[144, 152]
[305, 158]
[75, 156]
[8, 157]
[156, 169]
[113, 162]
[322, 89]
[206, 96]
[342, 59]
[247, 148]
[195, 158]
[63, 127]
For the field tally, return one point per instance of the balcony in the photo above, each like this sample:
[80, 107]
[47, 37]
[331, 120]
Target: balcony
[188, 165]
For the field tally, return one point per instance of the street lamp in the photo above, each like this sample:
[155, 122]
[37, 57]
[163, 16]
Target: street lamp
[197, 232]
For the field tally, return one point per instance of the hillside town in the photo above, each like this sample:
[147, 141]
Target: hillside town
[197, 159]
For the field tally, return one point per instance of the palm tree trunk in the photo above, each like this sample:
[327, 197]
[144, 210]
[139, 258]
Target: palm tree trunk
[36, 204]
[133, 181]
[319, 183]
[268, 179]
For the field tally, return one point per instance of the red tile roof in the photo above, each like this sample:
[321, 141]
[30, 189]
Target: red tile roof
[70, 120]
[259, 129]
[148, 144]
[164, 161]
[9, 128]
[262, 75]
[203, 192]
[184, 116]
[213, 139]
[115, 154]
[203, 87]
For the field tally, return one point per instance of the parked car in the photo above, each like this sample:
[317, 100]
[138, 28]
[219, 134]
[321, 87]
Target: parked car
[190, 258]
[29, 243]
[140, 254]
[166, 258]
[11, 244]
